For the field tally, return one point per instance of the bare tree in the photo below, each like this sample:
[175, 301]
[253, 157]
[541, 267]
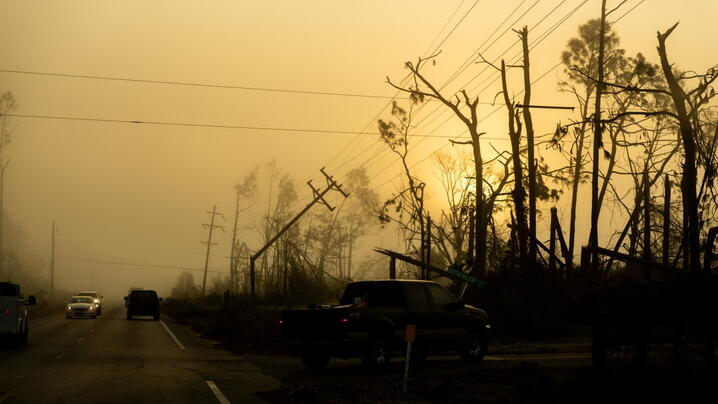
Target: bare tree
[464, 108]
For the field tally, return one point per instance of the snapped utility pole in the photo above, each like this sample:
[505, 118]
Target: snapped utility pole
[318, 197]
[209, 242]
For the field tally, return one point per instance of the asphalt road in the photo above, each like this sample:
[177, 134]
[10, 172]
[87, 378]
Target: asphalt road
[112, 360]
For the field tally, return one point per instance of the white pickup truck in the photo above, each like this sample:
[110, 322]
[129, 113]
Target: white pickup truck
[13, 313]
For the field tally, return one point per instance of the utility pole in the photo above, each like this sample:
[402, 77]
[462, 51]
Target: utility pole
[597, 129]
[318, 197]
[233, 250]
[209, 242]
[52, 263]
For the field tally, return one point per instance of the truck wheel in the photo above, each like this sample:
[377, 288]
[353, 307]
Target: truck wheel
[156, 317]
[314, 360]
[377, 354]
[475, 346]
[129, 316]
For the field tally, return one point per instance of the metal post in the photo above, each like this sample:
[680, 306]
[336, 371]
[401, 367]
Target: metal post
[392, 268]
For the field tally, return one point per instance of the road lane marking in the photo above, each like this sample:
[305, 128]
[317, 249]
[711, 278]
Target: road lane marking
[217, 392]
[179, 344]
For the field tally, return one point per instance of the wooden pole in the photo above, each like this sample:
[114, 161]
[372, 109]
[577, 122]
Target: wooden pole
[597, 125]
[428, 246]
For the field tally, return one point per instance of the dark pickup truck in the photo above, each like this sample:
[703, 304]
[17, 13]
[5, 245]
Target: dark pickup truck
[370, 323]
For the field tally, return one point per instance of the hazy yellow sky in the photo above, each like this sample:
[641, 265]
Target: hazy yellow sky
[138, 193]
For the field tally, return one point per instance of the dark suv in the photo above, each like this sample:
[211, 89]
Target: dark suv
[143, 303]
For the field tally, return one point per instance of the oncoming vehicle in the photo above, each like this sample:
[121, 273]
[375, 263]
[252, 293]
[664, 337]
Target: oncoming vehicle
[371, 321]
[13, 313]
[81, 306]
[96, 299]
[143, 303]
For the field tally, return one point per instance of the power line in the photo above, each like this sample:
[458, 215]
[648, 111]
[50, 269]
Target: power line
[194, 125]
[543, 36]
[192, 84]
[385, 152]
[498, 108]
[135, 264]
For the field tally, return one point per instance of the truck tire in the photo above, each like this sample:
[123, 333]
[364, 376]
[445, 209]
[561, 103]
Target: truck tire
[378, 353]
[156, 317]
[129, 316]
[475, 347]
[314, 360]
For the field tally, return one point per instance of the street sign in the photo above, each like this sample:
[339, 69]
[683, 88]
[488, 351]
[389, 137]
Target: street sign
[410, 333]
[465, 277]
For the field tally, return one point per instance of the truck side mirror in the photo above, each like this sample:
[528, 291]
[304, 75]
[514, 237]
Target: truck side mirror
[125, 298]
[160, 299]
[31, 300]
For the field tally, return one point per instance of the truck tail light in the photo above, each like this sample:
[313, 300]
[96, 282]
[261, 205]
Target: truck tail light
[344, 320]
[7, 312]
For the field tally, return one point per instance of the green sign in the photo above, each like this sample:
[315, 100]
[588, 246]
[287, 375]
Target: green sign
[465, 277]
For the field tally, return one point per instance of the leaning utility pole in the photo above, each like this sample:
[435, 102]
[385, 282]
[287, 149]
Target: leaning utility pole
[318, 197]
[209, 242]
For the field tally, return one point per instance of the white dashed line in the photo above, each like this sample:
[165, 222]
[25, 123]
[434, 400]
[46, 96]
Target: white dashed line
[179, 344]
[217, 392]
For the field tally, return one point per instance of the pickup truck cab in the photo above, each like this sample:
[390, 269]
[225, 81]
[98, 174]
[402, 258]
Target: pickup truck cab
[370, 323]
[13, 313]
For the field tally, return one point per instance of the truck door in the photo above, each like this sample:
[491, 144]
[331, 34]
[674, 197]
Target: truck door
[448, 320]
[419, 313]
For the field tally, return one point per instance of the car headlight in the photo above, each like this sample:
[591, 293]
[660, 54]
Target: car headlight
[97, 300]
[69, 308]
[92, 307]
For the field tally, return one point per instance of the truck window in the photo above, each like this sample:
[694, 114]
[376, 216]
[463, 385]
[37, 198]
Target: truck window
[440, 297]
[9, 289]
[415, 296]
[374, 294]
